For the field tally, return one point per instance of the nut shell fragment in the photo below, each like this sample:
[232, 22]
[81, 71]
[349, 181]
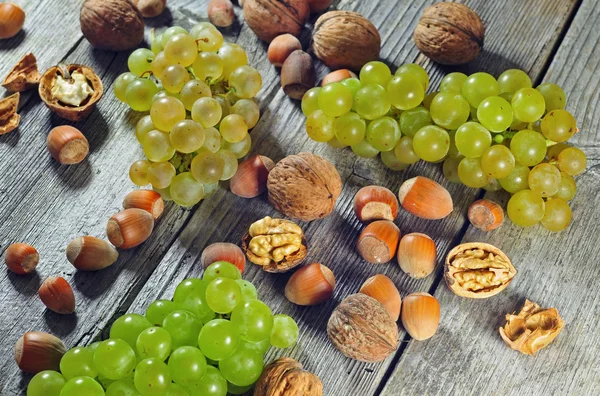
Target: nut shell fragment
[531, 329]
[477, 270]
[286, 377]
[9, 119]
[23, 76]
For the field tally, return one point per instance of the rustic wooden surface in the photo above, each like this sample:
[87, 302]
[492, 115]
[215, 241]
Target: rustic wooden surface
[47, 205]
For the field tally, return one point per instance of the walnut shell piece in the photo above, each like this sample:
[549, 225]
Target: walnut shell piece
[304, 186]
[449, 33]
[345, 40]
[277, 245]
[23, 76]
[114, 25]
[477, 270]
[531, 329]
[271, 18]
[9, 119]
[286, 377]
[362, 329]
[69, 112]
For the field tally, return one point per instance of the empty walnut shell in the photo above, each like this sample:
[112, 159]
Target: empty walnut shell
[286, 377]
[9, 119]
[23, 76]
[304, 186]
[69, 112]
[477, 270]
[362, 329]
[531, 329]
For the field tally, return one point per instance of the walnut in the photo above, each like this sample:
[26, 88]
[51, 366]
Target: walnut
[286, 377]
[9, 119]
[23, 76]
[276, 245]
[449, 33]
[531, 329]
[304, 186]
[345, 40]
[114, 25]
[271, 18]
[362, 329]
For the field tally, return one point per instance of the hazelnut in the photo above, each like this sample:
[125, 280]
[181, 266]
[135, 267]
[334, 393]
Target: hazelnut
[57, 295]
[89, 253]
[271, 18]
[36, 351]
[114, 25]
[222, 251]
[148, 200]
[67, 145]
[23, 76]
[382, 289]
[297, 74]
[129, 228]
[286, 377]
[9, 119]
[425, 198]
[150, 8]
[220, 13]
[250, 180]
[310, 285]
[281, 47]
[378, 242]
[420, 315]
[317, 6]
[21, 258]
[449, 33]
[337, 76]
[417, 255]
[486, 215]
[12, 18]
[304, 186]
[362, 329]
[375, 203]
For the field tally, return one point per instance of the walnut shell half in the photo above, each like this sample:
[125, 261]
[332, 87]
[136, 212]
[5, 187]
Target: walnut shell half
[286, 377]
[362, 329]
[9, 119]
[23, 76]
[69, 112]
[477, 270]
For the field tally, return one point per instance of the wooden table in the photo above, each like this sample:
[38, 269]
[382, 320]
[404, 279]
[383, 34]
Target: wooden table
[47, 205]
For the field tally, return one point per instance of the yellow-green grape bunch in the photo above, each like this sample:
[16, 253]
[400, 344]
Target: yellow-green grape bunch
[199, 91]
[490, 133]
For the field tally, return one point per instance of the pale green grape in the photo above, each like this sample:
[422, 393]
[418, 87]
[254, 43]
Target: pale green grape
[174, 77]
[114, 359]
[121, 84]
[497, 162]
[222, 295]
[207, 167]
[181, 49]
[416, 71]
[349, 129]
[139, 93]
[221, 269]
[212, 140]
[479, 86]
[211, 384]
[334, 143]
[319, 126]
[353, 84]
[517, 180]
[553, 151]
[207, 112]
[170, 32]
[428, 99]
[248, 109]
[190, 295]
[364, 150]
[375, 72]
[544, 179]
[209, 39]
[392, 162]
[449, 110]
[185, 190]
[165, 193]
[138, 172]
[188, 287]
[187, 136]
[371, 102]
[143, 126]
[246, 81]
[128, 327]
[208, 66]
[230, 163]
[248, 290]
[472, 139]
[493, 185]
[152, 377]
[310, 101]
[431, 143]
[511, 80]
[46, 383]
[453, 82]
[404, 151]
[495, 113]
[238, 390]
[140, 60]
[233, 128]
[218, 339]
[79, 386]
[528, 105]
[572, 161]
[566, 188]
[335, 99]
[285, 331]
[154, 342]
[77, 362]
[450, 169]
[158, 310]
[160, 174]
[192, 91]
[239, 149]
[159, 64]
[124, 387]
[242, 368]
[163, 94]
[156, 45]
[554, 96]
[471, 174]
[405, 91]
[261, 346]
[383, 133]
[557, 215]
[414, 119]
[528, 147]
[233, 56]
[558, 125]
[166, 112]
[526, 208]
[253, 319]
[183, 326]
[187, 365]
[157, 146]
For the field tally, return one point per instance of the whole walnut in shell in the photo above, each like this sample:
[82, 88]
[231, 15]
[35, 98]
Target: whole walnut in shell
[114, 25]
[286, 377]
[362, 329]
[345, 40]
[304, 186]
[450, 33]
[271, 18]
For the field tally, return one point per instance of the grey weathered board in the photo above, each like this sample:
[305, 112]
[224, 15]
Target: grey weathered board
[47, 205]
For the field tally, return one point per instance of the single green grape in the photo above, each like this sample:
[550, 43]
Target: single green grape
[246, 81]
[143, 126]
[554, 96]
[79, 386]
[349, 128]
[544, 179]
[310, 101]
[248, 290]
[253, 319]
[239, 149]
[405, 91]
[221, 269]
[453, 82]
[138, 172]
[450, 169]
[77, 362]
[192, 91]
[375, 72]
[233, 128]
[383, 133]
[414, 119]
[152, 377]
[154, 342]
[207, 167]
[46, 383]
[572, 161]
[140, 60]
[218, 339]
[114, 359]
[212, 383]
[392, 162]
[528, 105]
[157, 146]
[139, 93]
[158, 310]
[166, 113]
[170, 32]
[184, 327]
[472, 139]
[174, 77]
[557, 215]
[528, 147]
[121, 84]
[242, 368]
[208, 66]
[471, 174]
[161, 174]
[249, 110]
[187, 136]
[159, 64]
[207, 111]
[233, 56]
[185, 190]
[364, 150]
[558, 125]
[209, 38]
[526, 208]
[187, 287]
[511, 80]
[335, 99]
[187, 365]
[190, 295]
[128, 327]
[495, 113]
[416, 71]
[372, 101]
[497, 162]
[479, 86]
[404, 151]
[431, 143]
[449, 110]
[230, 163]
[566, 188]
[181, 49]
[353, 84]
[517, 180]
[222, 295]
[319, 126]
[124, 387]
[285, 331]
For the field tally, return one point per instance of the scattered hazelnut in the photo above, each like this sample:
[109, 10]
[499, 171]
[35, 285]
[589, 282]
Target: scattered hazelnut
[129, 228]
[297, 74]
[310, 285]
[425, 198]
[67, 145]
[57, 295]
[417, 255]
[281, 47]
[250, 180]
[150, 8]
[378, 242]
[222, 251]
[486, 215]
[220, 13]
[12, 18]
[148, 200]
[89, 253]
[270, 18]
[382, 289]
[337, 76]
[286, 377]
[317, 6]
[114, 25]
[9, 119]
[375, 203]
[21, 258]
[36, 351]
[420, 315]
[23, 76]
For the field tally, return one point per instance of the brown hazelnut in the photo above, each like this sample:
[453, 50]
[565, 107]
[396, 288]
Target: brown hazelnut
[310, 285]
[417, 255]
[297, 74]
[223, 251]
[89, 253]
[148, 200]
[150, 8]
[378, 242]
[9, 119]
[57, 295]
[281, 47]
[375, 203]
[114, 25]
[425, 198]
[129, 228]
[36, 351]
[420, 315]
[250, 180]
[337, 76]
[286, 377]
[12, 18]
[23, 76]
[220, 13]
[21, 258]
[382, 289]
[67, 145]
[270, 18]
[486, 215]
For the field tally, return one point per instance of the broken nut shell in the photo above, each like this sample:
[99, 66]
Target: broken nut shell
[23, 76]
[9, 119]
